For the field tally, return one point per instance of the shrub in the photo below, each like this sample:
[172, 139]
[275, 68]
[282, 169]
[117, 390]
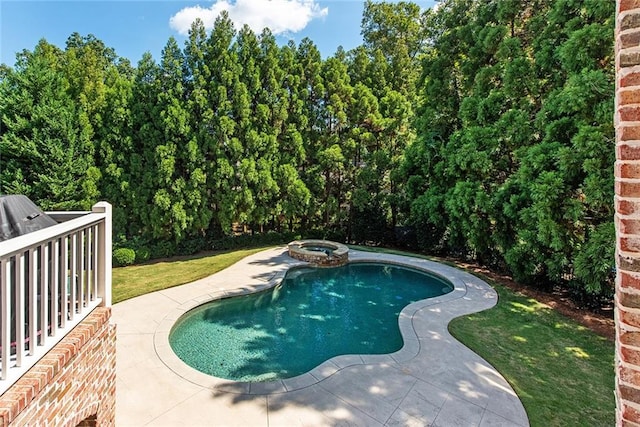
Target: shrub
[142, 254]
[335, 235]
[252, 240]
[123, 256]
[594, 263]
[191, 246]
[162, 249]
[136, 243]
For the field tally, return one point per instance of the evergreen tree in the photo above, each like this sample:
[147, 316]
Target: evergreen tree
[513, 165]
[230, 198]
[310, 95]
[485, 125]
[114, 144]
[335, 148]
[44, 151]
[179, 175]
[294, 195]
[139, 219]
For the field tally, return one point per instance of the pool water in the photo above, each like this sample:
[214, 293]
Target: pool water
[312, 316]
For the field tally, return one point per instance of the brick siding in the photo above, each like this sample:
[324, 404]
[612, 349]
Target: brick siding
[74, 384]
[627, 219]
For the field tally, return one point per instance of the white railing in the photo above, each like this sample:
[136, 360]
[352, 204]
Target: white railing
[50, 280]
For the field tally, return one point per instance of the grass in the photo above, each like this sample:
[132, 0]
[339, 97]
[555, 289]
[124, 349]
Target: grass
[136, 280]
[562, 372]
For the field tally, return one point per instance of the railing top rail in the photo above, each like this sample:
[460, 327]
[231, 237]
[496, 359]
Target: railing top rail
[63, 216]
[21, 243]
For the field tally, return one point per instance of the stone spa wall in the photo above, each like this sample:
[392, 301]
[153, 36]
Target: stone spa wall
[339, 256]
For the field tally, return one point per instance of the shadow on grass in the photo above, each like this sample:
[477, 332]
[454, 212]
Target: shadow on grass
[559, 368]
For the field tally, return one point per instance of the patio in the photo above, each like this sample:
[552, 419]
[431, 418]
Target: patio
[432, 380]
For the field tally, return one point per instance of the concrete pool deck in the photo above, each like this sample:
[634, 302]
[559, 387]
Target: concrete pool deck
[432, 381]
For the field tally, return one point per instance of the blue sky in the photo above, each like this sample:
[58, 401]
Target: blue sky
[134, 27]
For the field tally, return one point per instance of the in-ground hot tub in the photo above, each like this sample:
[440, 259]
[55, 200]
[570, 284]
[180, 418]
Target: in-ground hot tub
[319, 252]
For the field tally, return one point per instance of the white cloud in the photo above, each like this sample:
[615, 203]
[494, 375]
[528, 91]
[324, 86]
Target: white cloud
[281, 16]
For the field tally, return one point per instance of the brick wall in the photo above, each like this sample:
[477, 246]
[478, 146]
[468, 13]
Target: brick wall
[74, 384]
[627, 204]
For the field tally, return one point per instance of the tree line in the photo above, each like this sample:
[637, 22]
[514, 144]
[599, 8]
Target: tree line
[480, 129]
[514, 160]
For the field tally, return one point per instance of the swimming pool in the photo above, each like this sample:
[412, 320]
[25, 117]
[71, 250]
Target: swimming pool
[312, 316]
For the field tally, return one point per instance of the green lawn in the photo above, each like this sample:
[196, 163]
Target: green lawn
[136, 280]
[563, 372]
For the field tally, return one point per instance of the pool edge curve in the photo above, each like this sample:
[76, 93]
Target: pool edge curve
[409, 350]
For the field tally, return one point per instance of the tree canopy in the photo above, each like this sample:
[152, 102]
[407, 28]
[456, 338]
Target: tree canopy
[514, 160]
[478, 129]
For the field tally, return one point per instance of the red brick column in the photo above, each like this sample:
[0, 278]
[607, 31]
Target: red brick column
[627, 217]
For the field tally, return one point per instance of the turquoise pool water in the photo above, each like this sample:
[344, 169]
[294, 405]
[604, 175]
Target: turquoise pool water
[312, 316]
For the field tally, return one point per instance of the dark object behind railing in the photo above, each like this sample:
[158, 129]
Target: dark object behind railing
[19, 215]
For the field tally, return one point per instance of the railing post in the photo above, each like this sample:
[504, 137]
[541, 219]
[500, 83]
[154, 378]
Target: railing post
[5, 332]
[104, 252]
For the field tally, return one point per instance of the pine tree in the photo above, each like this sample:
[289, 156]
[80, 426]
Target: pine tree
[148, 134]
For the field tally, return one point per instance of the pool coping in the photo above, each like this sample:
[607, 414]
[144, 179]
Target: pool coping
[409, 350]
